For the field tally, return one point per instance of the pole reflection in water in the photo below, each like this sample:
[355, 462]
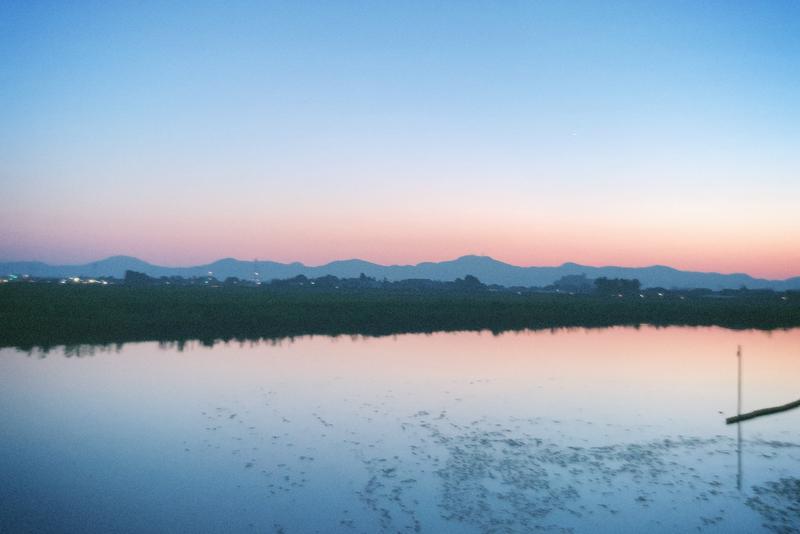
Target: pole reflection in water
[739, 424]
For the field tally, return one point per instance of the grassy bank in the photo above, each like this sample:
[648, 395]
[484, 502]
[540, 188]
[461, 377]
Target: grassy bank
[51, 314]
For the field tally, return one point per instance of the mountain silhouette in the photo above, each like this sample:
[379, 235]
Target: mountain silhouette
[488, 270]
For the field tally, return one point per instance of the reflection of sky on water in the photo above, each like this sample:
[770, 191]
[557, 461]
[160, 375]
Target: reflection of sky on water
[594, 430]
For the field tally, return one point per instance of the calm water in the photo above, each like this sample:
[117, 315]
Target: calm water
[584, 430]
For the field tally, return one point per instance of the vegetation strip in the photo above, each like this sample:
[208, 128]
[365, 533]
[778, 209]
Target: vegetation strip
[47, 315]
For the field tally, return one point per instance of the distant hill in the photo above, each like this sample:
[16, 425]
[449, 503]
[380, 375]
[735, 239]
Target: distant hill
[488, 270]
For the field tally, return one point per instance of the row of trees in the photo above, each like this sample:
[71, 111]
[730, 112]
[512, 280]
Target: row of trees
[579, 283]
[469, 283]
[570, 283]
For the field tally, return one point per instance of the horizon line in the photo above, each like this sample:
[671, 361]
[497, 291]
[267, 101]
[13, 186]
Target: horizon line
[483, 256]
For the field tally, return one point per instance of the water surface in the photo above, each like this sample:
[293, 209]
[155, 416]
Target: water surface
[608, 430]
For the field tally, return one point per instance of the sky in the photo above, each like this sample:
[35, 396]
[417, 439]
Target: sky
[537, 133]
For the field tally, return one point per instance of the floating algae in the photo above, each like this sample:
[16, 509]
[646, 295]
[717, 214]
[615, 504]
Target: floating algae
[779, 504]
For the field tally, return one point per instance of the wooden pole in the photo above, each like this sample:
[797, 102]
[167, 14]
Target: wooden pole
[763, 411]
[739, 397]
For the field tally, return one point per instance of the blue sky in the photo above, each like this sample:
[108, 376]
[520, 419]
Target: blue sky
[537, 132]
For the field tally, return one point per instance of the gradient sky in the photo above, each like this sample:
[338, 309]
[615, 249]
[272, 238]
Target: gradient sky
[534, 132]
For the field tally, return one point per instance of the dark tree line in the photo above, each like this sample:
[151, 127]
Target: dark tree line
[469, 283]
[617, 286]
[56, 314]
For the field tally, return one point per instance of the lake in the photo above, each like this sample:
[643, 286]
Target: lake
[582, 430]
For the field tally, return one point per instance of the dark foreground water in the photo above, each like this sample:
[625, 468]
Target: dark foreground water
[615, 430]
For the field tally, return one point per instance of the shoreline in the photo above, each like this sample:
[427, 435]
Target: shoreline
[47, 315]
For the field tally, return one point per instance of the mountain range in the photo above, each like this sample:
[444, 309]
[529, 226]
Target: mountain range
[488, 270]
